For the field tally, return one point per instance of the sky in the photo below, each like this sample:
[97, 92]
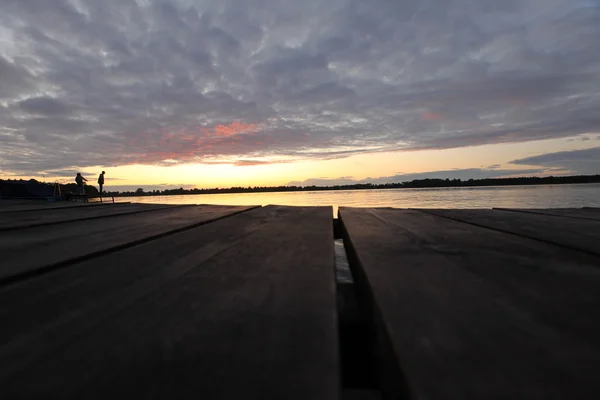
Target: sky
[198, 93]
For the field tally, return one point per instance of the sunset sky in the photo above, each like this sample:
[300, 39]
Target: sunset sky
[220, 93]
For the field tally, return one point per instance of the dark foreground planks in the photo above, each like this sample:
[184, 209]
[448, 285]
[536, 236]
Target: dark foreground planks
[130, 273]
[575, 213]
[577, 234]
[28, 219]
[40, 205]
[240, 308]
[28, 251]
[470, 313]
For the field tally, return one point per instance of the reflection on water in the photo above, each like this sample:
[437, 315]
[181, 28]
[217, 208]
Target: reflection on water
[342, 267]
[543, 196]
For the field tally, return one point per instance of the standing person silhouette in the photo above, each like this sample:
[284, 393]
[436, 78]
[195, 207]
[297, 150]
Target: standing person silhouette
[79, 179]
[101, 181]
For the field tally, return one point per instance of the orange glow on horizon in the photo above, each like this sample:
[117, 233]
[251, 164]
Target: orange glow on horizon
[172, 170]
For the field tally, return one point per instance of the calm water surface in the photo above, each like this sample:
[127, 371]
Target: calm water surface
[543, 196]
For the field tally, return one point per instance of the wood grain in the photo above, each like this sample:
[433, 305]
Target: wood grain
[33, 250]
[576, 213]
[471, 313]
[240, 308]
[583, 235]
[29, 219]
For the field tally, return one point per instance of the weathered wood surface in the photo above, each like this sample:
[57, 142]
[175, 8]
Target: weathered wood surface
[28, 219]
[240, 308]
[40, 205]
[28, 251]
[472, 313]
[577, 234]
[576, 213]
[135, 271]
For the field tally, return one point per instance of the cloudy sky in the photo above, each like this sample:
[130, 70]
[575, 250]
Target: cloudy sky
[223, 92]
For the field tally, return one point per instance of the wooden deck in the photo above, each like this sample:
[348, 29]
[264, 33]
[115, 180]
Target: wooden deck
[241, 302]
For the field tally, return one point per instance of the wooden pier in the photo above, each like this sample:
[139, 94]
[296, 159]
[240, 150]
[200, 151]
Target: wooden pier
[241, 302]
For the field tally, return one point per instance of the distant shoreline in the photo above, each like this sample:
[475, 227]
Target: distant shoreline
[35, 189]
[415, 184]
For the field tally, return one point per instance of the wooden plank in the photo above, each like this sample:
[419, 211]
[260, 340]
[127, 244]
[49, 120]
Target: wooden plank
[29, 219]
[134, 271]
[39, 205]
[30, 251]
[583, 235]
[576, 213]
[470, 313]
[241, 308]
[5, 203]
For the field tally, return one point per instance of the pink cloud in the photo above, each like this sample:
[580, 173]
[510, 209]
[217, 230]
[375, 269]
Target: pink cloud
[232, 129]
[431, 116]
[186, 144]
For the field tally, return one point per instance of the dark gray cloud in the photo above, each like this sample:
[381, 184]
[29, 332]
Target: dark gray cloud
[44, 105]
[468, 173]
[70, 173]
[577, 161]
[113, 82]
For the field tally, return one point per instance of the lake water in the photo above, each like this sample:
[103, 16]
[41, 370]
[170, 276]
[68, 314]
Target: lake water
[542, 196]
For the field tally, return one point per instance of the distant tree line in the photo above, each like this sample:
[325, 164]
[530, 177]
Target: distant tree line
[36, 189]
[32, 189]
[417, 183]
[90, 190]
